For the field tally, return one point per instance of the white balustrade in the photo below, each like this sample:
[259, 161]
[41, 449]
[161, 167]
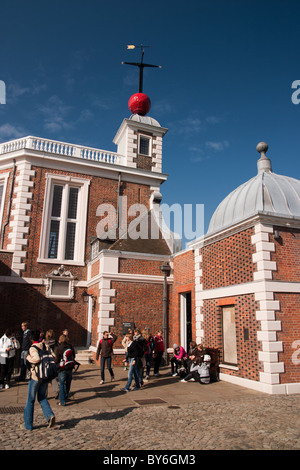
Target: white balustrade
[61, 148]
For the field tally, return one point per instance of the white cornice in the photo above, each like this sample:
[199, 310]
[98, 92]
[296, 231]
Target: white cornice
[87, 167]
[265, 218]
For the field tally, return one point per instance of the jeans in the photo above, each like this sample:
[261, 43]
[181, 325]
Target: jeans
[148, 358]
[157, 361]
[175, 363]
[6, 370]
[64, 379]
[108, 364]
[39, 390]
[133, 373]
[23, 368]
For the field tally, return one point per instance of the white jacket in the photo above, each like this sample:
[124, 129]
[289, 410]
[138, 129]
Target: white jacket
[6, 343]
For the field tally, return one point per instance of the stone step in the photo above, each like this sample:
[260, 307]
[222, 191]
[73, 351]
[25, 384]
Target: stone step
[84, 356]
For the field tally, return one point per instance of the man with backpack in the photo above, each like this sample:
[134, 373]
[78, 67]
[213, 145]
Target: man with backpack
[105, 348]
[37, 386]
[65, 359]
[141, 351]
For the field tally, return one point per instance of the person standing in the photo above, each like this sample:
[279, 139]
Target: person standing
[52, 343]
[141, 350]
[105, 348]
[65, 360]
[8, 346]
[36, 389]
[159, 349]
[133, 356]
[26, 343]
[149, 353]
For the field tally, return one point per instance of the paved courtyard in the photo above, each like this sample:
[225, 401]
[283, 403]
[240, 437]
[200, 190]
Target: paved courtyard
[164, 415]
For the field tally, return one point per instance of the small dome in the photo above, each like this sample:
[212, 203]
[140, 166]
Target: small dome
[145, 120]
[267, 193]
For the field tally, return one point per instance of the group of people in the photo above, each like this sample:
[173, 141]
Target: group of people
[33, 345]
[140, 348]
[192, 365]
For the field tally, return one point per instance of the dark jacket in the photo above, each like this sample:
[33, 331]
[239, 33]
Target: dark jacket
[26, 342]
[134, 350]
[105, 346]
[59, 351]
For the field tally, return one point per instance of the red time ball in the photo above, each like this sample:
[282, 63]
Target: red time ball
[139, 103]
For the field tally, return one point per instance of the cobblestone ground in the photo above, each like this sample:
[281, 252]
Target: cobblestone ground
[267, 423]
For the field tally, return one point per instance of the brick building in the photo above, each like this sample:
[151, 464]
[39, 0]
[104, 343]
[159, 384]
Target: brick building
[78, 220]
[245, 295]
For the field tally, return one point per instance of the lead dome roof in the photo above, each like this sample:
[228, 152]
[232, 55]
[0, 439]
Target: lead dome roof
[267, 193]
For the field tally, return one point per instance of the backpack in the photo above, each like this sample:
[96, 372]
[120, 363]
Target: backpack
[67, 362]
[46, 369]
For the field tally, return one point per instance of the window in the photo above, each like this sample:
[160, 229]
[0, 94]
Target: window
[60, 288]
[63, 220]
[144, 145]
[60, 284]
[64, 223]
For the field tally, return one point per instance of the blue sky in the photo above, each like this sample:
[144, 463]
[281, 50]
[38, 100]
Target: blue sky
[225, 85]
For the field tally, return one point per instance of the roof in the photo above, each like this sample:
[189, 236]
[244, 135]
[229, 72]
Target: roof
[267, 193]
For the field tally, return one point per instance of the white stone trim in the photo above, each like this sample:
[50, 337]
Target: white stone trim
[268, 305]
[270, 388]
[19, 217]
[198, 298]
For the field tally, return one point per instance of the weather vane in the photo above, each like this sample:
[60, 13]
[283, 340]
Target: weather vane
[140, 65]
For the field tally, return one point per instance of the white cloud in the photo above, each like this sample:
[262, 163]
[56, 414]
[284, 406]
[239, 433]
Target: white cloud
[188, 126]
[55, 114]
[8, 131]
[217, 146]
[213, 120]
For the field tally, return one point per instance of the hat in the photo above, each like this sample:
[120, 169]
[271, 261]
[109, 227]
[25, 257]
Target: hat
[175, 346]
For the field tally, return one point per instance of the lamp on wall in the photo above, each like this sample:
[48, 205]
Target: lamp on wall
[166, 269]
[85, 296]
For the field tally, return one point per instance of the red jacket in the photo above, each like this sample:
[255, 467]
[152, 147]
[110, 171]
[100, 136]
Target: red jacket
[159, 344]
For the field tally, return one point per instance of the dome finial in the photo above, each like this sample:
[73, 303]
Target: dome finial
[264, 163]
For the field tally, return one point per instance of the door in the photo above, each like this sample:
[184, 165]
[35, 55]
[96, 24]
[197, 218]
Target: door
[185, 319]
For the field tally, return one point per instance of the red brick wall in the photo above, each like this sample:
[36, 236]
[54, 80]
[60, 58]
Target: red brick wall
[137, 302]
[101, 190]
[228, 261]
[184, 281]
[20, 302]
[286, 255]
[289, 315]
[140, 266]
[247, 349]
[5, 263]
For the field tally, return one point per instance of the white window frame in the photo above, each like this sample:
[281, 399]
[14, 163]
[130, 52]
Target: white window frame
[3, 181]
[149, 138]
[79, 249]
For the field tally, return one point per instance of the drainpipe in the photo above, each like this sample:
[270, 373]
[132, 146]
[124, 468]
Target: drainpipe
[165, 268]
[9, 202]
[118, 204]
